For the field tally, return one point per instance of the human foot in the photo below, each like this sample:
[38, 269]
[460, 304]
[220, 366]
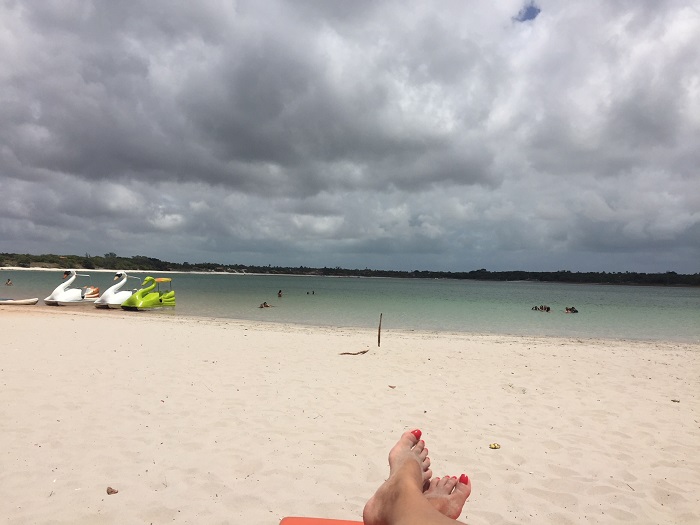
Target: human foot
[422, 452]
[409, 472]
[410, 445]
[448, 494]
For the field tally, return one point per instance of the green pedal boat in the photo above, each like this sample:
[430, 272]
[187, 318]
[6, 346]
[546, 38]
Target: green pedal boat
[150, 296]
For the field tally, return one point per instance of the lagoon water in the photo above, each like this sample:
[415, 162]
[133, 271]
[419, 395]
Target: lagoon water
[611, 312]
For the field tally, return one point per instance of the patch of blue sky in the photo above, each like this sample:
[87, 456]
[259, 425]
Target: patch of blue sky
[528, 12]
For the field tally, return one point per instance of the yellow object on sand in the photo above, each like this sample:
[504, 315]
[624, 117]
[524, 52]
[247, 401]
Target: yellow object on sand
[494, 446]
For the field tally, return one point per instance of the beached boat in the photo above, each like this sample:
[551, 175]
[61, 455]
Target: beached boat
[33, 300]
[150, 296]
[114, 296]
[64, 295]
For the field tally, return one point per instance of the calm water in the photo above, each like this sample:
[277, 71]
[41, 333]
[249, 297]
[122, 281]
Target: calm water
[617, 312]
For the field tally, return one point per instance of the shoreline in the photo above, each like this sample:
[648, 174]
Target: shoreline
[210, 420]
[88, 310]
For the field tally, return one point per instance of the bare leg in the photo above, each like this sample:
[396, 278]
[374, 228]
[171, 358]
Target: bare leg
[400, 499]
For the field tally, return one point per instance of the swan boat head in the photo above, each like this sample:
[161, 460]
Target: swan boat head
[70, 275]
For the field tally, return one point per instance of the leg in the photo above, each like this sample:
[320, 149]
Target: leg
[400, 500]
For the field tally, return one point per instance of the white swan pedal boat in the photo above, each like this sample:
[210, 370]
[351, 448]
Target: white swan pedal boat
[114, 296]
[64, 295]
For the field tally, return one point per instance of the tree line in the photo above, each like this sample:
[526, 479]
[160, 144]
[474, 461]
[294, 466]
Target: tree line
[141, 262]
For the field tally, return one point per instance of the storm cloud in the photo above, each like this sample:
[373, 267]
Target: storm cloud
[383, 134]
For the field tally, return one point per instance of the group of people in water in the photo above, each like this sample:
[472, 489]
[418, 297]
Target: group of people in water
[545, 308]
[265, 304]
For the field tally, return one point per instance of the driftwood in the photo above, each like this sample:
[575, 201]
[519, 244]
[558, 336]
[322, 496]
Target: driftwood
[354, 353]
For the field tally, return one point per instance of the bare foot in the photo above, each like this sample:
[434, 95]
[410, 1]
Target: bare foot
[409, 471]
[422, 451]
[401, 499]
[449, 494]
[416, 448]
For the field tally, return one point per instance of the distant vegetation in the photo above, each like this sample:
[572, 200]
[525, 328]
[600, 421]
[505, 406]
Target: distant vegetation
[140, 262]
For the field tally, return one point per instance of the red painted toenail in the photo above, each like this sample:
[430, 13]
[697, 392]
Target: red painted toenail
[417, 433]
[464, 479]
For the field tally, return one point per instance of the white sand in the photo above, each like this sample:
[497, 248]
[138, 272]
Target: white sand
[209, 421]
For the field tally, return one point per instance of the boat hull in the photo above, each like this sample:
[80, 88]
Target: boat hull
[33, 300]
[50, 302]
[150, 301]
[113, 301]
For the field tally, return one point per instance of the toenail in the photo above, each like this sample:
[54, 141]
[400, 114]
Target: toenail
[464, 479]
[416, 433]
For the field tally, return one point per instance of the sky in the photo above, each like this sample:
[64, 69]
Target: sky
[402, 135]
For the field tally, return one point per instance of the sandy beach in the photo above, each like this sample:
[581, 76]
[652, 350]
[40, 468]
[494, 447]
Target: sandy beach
[213, 421]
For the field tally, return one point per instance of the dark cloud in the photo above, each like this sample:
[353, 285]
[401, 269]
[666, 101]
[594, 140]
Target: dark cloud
[378, 134]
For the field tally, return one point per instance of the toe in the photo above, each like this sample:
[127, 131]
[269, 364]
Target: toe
[407, 441]
[449, 484]
[419, 447]
[411, 436]
[464, 487]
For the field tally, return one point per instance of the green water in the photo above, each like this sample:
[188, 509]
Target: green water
[617, 312]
